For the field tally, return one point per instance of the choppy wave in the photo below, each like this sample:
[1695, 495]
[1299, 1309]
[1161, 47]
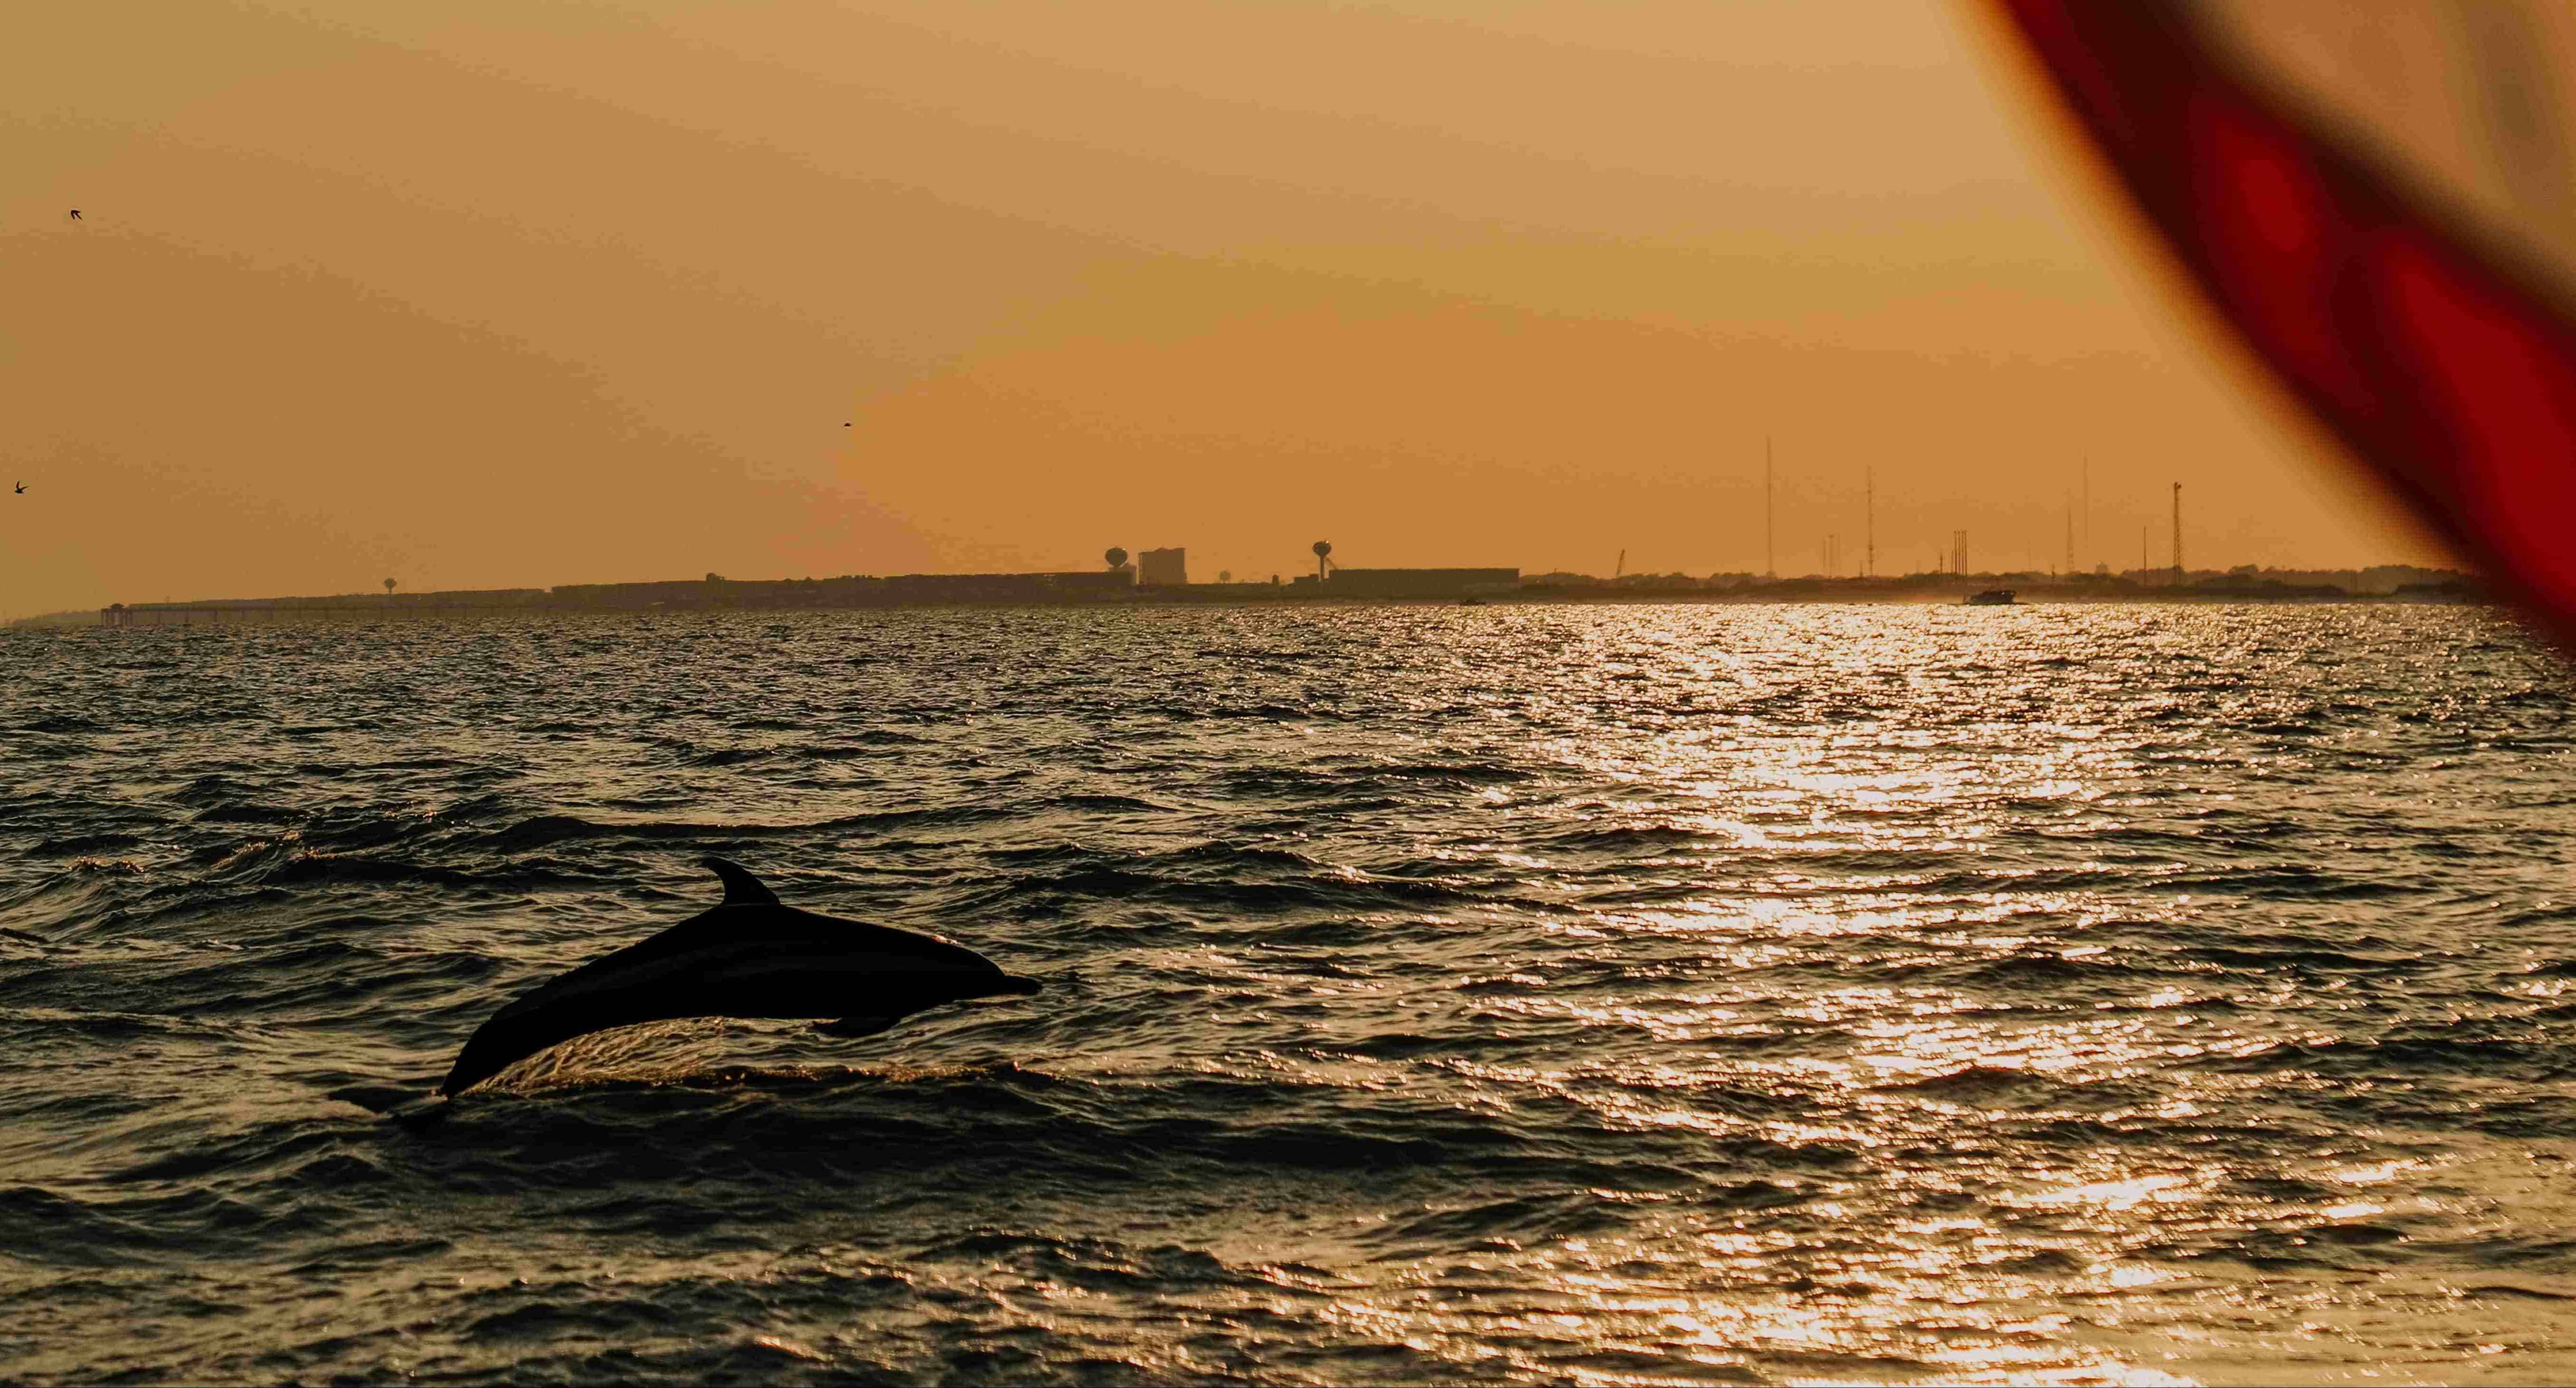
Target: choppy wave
[1508, 994]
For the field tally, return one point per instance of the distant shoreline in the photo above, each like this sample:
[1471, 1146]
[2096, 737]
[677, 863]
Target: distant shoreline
[793, 596]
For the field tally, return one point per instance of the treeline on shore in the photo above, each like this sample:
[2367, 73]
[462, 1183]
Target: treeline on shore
[716, 592]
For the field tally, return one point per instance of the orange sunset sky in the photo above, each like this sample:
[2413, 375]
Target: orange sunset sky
[521, 292]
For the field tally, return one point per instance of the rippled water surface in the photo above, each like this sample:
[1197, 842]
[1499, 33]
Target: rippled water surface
[1530, 994]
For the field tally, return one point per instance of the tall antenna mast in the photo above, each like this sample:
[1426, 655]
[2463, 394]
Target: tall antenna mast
[2177, 532]
[1770, 555]
[1869, 522]
[2070, 537]
[2088, 503]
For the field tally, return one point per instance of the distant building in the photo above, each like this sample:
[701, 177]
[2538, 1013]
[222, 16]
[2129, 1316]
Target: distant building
[1158, 568]
[1420, 583]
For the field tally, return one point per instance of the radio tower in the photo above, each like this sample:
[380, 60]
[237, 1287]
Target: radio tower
[1869, 522]
[1770, 554]
[2177, 532]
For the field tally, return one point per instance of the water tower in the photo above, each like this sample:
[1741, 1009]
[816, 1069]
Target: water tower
[1117, 557]
[1323, 558]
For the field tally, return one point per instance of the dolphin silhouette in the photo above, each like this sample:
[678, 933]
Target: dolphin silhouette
[746, 957]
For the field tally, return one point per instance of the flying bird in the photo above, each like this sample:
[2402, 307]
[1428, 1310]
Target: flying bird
[748, 956]
[75, 214]
[22, 489]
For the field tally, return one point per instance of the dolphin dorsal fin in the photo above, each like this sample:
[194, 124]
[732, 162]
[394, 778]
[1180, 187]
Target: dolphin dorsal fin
[741, 888]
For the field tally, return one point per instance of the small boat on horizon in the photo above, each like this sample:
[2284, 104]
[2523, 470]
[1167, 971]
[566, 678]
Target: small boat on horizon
[1992, 597]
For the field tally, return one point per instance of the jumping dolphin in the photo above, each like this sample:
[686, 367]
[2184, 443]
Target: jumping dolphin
[747, 957]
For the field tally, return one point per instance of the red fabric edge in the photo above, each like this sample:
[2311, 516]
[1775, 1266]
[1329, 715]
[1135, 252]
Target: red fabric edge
[2432, 366]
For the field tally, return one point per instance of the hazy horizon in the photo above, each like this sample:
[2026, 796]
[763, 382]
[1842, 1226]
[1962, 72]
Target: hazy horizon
[541, 293]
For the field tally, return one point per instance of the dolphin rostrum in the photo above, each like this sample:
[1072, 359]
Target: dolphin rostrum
[747, 957]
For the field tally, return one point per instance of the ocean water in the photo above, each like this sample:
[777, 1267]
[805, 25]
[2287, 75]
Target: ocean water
[1690, 994]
